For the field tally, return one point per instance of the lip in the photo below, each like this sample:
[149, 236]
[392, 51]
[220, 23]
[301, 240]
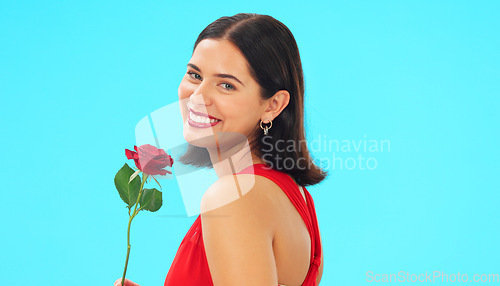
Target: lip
[202, 114]
[198, 124]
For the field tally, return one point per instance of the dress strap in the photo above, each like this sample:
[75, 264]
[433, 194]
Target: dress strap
[316, 249]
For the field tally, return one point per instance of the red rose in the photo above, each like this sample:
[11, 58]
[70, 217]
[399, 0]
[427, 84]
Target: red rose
[152, 158]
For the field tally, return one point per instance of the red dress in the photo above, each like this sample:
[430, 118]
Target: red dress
[190, 266]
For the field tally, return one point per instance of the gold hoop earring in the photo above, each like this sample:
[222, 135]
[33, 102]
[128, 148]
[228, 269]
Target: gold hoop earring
[266, 129]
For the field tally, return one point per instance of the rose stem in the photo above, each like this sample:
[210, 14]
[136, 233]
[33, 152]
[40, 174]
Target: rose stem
[128, 229]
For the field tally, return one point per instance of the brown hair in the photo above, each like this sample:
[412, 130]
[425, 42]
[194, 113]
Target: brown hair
[274, 62]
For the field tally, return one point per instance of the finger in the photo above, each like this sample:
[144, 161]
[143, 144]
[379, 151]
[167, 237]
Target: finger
[128, 282]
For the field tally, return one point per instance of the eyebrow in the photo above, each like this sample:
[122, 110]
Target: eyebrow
[221, 75]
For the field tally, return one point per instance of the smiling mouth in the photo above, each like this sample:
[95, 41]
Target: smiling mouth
[201, 120]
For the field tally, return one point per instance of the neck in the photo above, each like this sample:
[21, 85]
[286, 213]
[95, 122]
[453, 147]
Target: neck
[231, 159]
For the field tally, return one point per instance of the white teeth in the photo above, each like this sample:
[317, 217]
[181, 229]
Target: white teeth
[201, 119]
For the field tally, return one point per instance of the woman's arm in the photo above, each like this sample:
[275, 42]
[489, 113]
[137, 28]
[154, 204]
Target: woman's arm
[238, 235]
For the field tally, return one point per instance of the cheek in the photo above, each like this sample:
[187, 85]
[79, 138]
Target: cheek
[238, 113]
[184, 90]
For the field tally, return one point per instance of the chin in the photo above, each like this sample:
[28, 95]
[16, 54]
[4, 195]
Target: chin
[208, 138]
[200, 137]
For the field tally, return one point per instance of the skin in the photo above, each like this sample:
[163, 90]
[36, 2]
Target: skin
[253, 233]
[236, 102]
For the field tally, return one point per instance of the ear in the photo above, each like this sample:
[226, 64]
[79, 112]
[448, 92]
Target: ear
[275, 105]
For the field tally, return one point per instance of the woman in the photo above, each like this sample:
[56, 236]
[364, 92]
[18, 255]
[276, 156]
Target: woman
[242, 101]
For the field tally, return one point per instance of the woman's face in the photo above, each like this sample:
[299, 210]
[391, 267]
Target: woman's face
[217, 94]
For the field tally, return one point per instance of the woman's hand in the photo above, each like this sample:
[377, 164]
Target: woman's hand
[118, 282]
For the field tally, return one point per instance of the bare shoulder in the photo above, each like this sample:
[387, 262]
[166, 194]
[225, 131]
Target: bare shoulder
[245, 193]
[237, 231]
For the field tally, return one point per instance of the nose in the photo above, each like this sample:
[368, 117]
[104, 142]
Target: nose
[201, 96]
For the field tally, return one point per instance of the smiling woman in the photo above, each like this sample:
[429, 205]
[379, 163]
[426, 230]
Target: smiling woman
[246, 71]
[243, 91]
[243, 88]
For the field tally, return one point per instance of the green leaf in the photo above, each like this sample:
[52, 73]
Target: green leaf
[128, 191]
[151, 200]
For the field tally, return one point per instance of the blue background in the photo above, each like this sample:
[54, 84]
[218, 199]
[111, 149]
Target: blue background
[77, 76]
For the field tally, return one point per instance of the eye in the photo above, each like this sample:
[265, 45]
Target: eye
[229, 86]
[190, 73]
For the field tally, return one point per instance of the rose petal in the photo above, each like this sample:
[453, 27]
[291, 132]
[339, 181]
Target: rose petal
[129, 154]
[154, 160]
